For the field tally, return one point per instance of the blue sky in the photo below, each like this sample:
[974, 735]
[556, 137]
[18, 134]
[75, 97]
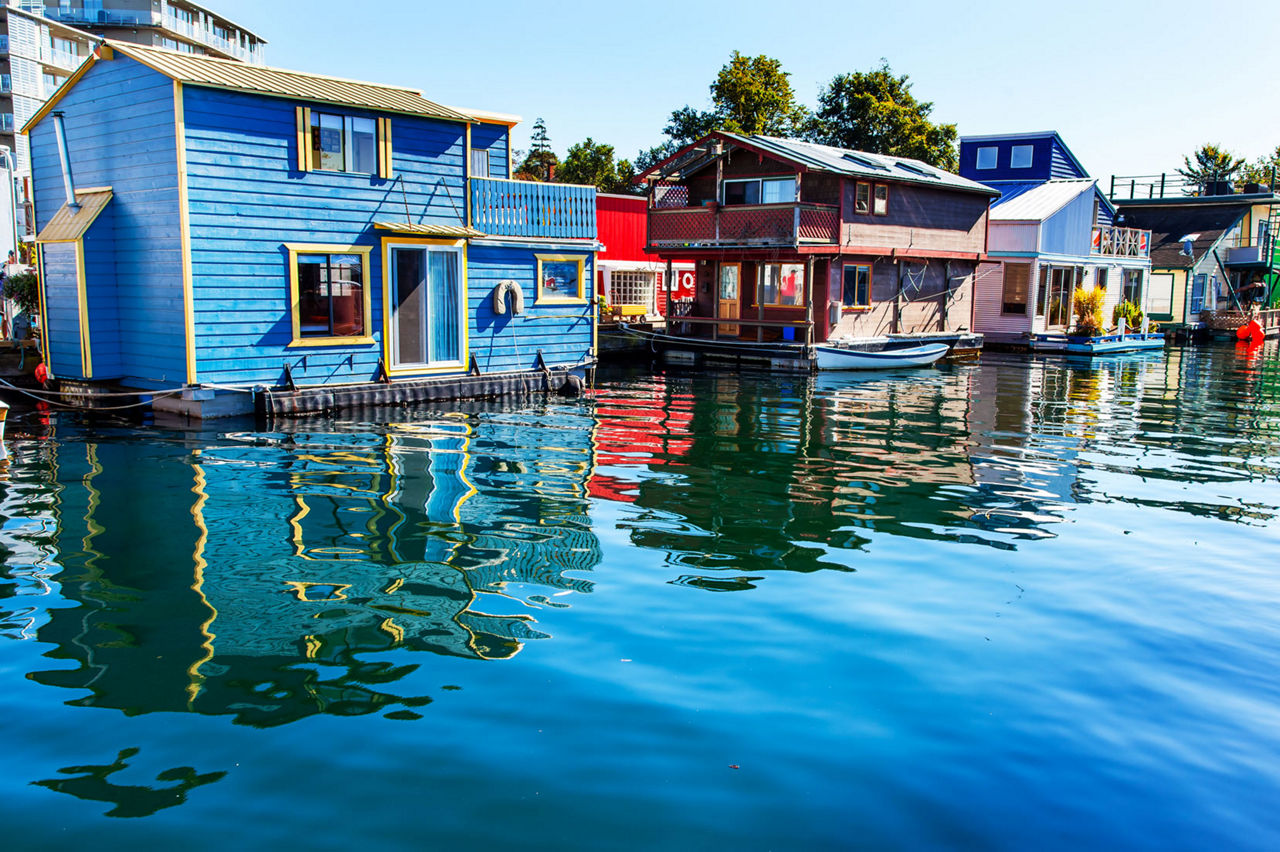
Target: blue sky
[1132, 85]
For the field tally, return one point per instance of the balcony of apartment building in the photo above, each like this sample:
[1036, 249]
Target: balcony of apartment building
[226, 40]
[518, 208]
[60, 58]
[103, 17]
[4, 45]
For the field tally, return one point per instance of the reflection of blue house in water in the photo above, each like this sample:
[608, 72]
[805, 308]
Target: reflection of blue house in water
[211, 224]
[310, 550]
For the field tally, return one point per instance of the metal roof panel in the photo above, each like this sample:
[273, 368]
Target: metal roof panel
[1040, 202]
[70, 223]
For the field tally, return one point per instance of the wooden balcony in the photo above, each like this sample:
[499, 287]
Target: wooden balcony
[518, 208]
[1121, 242]
[745, 225]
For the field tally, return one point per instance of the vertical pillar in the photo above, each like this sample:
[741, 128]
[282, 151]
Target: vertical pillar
[808, 301]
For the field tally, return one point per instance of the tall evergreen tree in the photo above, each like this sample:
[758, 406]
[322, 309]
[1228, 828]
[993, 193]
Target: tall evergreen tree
[1210, 164]
[541, 162]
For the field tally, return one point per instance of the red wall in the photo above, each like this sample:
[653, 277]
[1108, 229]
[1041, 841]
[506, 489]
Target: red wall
[620, 225]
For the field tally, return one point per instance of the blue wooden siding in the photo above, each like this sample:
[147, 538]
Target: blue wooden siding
[62, 302]
[1070, 230]
[1062, 165]
[1104, 212]
[106, 335]
[496, 138]
[130, 146]
[511, 342]
[248, 199]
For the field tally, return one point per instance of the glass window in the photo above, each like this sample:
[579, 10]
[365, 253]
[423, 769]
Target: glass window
[882, 200]
[857, 286]
[1162, 293]
[729, 281]
[1017, 282]
[742, 192]
[782, 284]
[1020, 156]
[560, 278]
[987, 158]
[1103, 273]
[862, 198]
[778, 191]
[480, 163]
[344, 143]
[1133, 286]
[330, 295]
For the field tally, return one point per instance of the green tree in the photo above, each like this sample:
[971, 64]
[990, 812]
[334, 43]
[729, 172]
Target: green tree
[875, 111]
[1211, 164]
[23, 288]
[541, 162]
[1260, 170]
[750, 95]
[591, 163]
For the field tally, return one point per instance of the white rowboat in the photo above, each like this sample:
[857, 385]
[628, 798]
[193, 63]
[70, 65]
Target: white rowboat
[833, 358]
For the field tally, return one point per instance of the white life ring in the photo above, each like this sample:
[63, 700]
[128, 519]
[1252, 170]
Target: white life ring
[500, 293]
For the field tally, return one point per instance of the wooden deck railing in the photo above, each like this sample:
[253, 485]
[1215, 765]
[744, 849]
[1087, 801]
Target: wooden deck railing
[1232, 320]
[748, 224]
[1121, 242]
[518, 208]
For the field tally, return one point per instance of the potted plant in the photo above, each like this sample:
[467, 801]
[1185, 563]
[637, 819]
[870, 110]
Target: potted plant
[1087, 305]
[1131, 313]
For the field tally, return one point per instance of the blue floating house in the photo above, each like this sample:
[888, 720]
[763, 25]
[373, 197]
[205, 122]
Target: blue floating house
[217, 234]
[1051, 231]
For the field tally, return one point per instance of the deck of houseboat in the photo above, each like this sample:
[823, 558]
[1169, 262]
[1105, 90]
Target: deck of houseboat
[1227, 323]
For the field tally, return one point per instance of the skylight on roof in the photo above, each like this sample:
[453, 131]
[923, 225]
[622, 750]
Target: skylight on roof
[864, 162]
[908, 167]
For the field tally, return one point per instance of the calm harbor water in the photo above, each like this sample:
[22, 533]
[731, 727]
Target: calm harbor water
[1021, 604]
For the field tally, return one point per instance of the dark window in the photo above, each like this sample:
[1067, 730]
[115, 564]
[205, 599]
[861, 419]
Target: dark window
[742, 192]
[1017, 283]
[882, 200]
[330, 295]
[857, 286]
[862, 198]
[1133, 286]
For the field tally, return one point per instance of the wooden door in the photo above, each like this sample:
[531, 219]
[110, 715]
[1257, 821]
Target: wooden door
[728, 297]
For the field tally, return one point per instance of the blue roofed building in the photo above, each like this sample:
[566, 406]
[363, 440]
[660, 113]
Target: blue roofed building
[1051, 230]
[219, 234]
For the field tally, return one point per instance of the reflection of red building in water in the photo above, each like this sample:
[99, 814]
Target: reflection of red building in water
[630, 281]
[642, 428]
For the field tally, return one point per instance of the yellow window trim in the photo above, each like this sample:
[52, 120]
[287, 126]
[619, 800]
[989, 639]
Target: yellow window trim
[306, 162]
[82, 298]
[579, 259]
[295, 249]
[387, 244]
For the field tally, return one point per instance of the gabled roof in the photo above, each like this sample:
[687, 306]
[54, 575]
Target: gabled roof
[215, 73]
[1169, 224]
[824, 158]
[70, 223]
[1037, 203]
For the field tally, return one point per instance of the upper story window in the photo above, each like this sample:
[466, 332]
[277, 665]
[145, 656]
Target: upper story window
[760, 191]
[333, 142]
[881, 200]
[480, 163]
[344, 143]
[862, 198]
[987, 157]
[1020, 156]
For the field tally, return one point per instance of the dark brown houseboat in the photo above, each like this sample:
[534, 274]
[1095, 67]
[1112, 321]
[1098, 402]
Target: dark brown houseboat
[797, 243]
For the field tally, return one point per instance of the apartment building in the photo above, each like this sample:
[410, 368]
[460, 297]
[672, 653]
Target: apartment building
[173, 24]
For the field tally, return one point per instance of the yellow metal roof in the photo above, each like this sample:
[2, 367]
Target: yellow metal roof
[69, 223]
[429, 230]
[277, 82]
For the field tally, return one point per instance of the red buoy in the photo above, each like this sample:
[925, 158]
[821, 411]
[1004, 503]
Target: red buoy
[1251, 331]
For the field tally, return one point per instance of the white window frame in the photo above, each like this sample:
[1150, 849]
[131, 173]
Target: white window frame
[982, 162]
[1017, 151]
[481, 156]
[760, 182]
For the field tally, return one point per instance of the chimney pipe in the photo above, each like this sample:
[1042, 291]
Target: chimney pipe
[64, 154]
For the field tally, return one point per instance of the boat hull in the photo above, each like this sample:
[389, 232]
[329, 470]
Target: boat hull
[832, 358]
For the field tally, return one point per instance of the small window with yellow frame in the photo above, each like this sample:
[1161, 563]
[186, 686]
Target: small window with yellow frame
[561, 278]
[328, 295]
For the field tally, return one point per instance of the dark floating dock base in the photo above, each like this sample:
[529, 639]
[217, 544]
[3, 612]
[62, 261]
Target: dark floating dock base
[320, 400]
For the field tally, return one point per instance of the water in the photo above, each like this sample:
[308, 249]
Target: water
[1026, 604]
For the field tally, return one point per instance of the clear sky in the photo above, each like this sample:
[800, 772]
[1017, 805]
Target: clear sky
[1132, 85]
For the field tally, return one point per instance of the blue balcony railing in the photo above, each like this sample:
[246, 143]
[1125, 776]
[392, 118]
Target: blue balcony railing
[517, 208]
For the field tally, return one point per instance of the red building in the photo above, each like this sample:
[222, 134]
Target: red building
[631, 281]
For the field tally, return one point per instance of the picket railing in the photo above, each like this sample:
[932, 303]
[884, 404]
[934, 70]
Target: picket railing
[518, 208]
